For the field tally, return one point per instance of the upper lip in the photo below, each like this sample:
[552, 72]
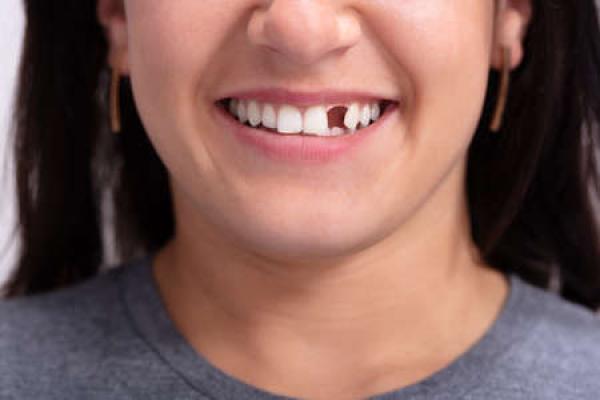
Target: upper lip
[306, 98]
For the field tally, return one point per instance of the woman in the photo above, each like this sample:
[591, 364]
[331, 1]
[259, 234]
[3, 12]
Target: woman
[286, 180]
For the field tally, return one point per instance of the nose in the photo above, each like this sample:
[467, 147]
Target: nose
[304, 31]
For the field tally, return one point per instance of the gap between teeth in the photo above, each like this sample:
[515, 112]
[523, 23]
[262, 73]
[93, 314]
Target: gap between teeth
[287, 119]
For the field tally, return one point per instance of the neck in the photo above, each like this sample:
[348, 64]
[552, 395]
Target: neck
[414, 299]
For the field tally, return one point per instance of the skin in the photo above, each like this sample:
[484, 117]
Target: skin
[339, 281]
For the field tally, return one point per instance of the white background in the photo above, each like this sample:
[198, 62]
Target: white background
[11, 37]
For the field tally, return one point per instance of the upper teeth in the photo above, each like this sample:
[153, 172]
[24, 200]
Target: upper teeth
[288, 119]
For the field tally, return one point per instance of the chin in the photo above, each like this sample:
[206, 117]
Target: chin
[307, 237]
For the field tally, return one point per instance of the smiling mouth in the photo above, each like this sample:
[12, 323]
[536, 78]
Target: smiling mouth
[325, 120]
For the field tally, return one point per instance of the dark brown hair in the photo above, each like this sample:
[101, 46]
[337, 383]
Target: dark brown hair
[532, 187]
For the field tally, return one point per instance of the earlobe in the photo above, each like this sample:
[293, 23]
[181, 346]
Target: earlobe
[512, 22]
[111, 16]
[118, 60]
[516, 56]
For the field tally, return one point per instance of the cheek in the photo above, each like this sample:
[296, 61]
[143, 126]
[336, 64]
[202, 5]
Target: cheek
[442, 48]
[166, 39]
[171, 49]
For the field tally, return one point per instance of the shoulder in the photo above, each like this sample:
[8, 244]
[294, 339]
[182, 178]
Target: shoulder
[80, 342]
[559, 357]
[48, 337]
[60, 311]
[566, 329]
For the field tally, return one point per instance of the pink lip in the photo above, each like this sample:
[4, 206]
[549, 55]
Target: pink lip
[300, 148]
[284, 96]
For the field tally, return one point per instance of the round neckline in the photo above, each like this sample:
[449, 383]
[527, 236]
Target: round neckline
[147, 311]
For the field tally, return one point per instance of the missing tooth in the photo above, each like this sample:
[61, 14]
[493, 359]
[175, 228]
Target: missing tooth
[335, 117]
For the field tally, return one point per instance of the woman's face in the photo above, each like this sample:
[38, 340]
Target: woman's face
[432, 57]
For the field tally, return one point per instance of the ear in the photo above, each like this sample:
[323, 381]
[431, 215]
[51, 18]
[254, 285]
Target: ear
[111, 15]
[512, 20]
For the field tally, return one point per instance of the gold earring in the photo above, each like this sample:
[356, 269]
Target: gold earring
[503, 92]
[115, 117]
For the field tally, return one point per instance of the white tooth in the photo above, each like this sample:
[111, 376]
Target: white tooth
[337, 131]
[365, 115]
[253, 113]
[375, 111]
[233, 107]
[316, 121]
[269, 117]
[241, 111]
[352, 116]
[289, 120]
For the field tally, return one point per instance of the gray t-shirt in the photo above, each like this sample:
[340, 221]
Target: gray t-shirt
[111, 338]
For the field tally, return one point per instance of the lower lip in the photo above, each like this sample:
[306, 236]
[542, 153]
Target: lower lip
[301, 148]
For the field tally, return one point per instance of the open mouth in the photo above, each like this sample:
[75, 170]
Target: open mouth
[325, 120]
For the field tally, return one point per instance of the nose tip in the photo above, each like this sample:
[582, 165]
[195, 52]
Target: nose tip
[303, 31]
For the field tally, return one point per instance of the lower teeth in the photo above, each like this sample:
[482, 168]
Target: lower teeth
[336, 131]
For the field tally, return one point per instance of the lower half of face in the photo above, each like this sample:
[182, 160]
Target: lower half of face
[242, 98]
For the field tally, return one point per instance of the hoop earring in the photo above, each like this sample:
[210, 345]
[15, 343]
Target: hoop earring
[115, 115]
[503, 92]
